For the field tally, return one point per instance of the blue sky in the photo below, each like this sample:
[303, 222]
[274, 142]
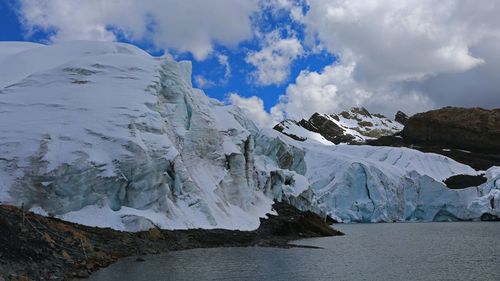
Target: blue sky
[291, 58]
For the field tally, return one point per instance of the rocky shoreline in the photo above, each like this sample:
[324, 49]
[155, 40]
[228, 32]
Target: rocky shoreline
[43, 248]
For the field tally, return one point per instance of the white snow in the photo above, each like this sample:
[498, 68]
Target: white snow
[292, 128]
[11, 48]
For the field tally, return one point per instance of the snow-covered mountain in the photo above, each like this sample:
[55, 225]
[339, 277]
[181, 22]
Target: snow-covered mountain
[354, 126]
[106, 135]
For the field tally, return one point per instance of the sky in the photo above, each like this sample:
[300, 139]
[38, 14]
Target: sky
[290, 58]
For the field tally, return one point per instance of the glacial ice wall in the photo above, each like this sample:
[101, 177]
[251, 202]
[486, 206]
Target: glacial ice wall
[386, 184]
[104, 134]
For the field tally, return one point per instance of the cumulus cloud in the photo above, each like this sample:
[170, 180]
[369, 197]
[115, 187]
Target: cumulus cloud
[411, 55]
[334, 89]
[273, 61]
[398, 40]
[186, 26]
[254, 108]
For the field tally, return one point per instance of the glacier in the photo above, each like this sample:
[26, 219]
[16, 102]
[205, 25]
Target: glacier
[106, 135]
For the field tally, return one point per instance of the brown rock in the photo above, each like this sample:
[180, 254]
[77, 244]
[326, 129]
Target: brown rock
[474, 129]
[154, 234]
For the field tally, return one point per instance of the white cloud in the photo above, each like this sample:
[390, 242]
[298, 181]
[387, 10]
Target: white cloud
[273, 61]
[224, 61]
[186, 26]
[315, 92]
[254, 108]
[294, 8]
[334, 89]
[203, 82]
[394, 40]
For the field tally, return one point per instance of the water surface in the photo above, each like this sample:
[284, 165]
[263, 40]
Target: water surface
[397, 251]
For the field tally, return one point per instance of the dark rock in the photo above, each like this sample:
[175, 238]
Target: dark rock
[82, 274]
[395, 140]
[401, 117]
[361, 111]
[282, 126]
[320, 124]
[291, 222]
[473, 129]
[140, 259]
[464, 181]
[489, 217]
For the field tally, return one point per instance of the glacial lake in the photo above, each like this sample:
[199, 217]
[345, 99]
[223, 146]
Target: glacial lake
[391, 251]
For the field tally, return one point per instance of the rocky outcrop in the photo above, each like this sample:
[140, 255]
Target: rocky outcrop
[473, 129]
[284, 126]
[464, 181]
[401, 117]
[326, 126]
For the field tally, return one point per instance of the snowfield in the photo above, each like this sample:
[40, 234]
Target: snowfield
[105, 135]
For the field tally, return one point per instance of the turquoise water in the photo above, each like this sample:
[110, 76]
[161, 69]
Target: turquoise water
[397, 251]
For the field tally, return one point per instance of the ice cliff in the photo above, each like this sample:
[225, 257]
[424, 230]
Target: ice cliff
[104, 134]
[385, 184]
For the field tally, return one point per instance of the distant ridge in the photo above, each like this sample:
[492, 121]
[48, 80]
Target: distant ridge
[354, 126]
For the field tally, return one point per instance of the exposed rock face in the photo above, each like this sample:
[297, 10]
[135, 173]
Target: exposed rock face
[284, 126]
[328, 128]
[401, 117]
[354, 126]
[473, 129]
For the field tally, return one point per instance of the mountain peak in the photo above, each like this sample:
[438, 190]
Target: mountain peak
[353, 126]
